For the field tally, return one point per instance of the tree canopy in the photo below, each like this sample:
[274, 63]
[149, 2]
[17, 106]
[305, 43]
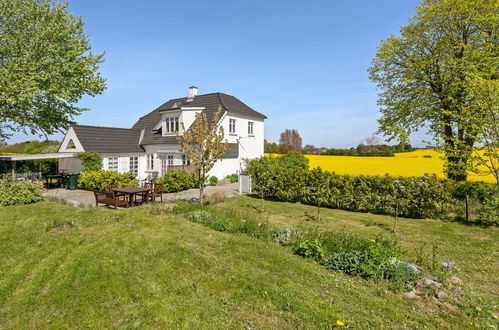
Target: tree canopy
[46, 66]
[424, 73]
[289, 140]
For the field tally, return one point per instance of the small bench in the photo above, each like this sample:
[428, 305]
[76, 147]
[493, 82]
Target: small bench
[110, 198]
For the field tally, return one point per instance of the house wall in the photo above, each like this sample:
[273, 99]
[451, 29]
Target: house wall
[249, 146]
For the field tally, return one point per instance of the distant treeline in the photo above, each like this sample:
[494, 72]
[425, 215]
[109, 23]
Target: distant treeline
[363, 150]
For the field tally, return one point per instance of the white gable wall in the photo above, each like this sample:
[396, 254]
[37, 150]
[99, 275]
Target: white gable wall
[71, 135]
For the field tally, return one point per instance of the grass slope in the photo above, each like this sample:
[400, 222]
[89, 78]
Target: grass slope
[95, 268]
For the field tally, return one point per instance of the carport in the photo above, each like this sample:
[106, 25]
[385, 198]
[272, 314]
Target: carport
[14, 158]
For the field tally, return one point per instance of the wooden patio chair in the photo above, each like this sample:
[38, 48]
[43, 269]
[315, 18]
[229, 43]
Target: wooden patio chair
[157, 191]
[110, 198]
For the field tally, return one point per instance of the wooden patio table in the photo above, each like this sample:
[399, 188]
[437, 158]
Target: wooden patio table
[132, 191]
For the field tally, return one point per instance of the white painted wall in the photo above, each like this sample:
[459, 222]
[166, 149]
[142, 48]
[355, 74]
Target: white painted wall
[70, 135]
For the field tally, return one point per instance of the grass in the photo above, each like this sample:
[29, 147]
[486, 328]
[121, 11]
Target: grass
[62, 266]
[414, 163]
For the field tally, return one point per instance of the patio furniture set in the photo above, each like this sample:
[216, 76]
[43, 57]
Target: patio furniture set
[129, 196]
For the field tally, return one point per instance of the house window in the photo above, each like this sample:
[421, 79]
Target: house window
[172, 125]
[112, 164]
[134, 165]
[150, 162]
[185, 160]
[170, 160]
[71, 144]
[232, 126]
[164, 167]
[250, 128]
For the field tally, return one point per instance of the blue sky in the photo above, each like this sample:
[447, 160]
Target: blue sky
[302, 63]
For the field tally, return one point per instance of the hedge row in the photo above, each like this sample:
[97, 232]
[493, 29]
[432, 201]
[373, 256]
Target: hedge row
[288, 178]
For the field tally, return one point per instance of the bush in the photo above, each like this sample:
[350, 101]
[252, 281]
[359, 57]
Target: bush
[90, 161]
[310, 248]
[232, 178]
[178, 181]
[98, 180]
[213, 180]
[347, 262]
[287, 178]
[19, 193]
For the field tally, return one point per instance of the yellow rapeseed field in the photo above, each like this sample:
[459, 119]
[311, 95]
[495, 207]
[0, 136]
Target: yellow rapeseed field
[415, 163]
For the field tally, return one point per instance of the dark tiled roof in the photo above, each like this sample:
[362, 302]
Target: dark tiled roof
[210, 102]
[108, 139]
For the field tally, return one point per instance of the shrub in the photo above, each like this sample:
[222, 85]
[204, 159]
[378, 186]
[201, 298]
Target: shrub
[19, 193]
[213, 180]
[347, 262]
[310, 248]
[98, 180]
[90, 161]
[232, 178]
[178, 181]
[215, 198]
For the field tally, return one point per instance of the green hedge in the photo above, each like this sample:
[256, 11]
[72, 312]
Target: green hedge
[98, 180]
[178, 181]
[19, 193]
[287, 178]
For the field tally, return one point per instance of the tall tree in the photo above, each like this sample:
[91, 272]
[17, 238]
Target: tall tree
[46, 66]
[423, 75]
[203, 145]
[289, 140]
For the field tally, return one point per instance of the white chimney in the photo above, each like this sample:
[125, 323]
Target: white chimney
[193, 92]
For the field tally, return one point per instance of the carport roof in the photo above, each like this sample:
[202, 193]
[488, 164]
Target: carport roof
[37, 156]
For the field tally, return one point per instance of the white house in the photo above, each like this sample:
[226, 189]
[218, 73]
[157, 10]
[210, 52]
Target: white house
[150, 147]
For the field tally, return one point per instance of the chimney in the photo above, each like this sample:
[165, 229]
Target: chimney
[193, 92]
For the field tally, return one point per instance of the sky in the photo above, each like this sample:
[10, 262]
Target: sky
[301, 63]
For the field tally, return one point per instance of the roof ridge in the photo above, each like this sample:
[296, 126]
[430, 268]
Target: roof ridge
[107, 127]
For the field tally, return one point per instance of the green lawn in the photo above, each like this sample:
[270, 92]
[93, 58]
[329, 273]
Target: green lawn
[70, 267]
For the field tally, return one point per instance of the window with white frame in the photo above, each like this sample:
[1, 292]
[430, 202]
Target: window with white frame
[170, 160]
[172, 124]
[250, 128]
[185, 160]
[232, 126]
[134, 165]
[150, 162]
[164, 166]
[112, 164]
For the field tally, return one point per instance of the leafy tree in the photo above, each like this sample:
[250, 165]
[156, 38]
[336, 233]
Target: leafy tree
[270, 147]
[423, 75]
[45, 66]
[290, 140]
[90, 161]
[486, 158]
[203, 145]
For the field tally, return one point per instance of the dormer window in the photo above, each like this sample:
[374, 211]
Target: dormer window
[172, 124]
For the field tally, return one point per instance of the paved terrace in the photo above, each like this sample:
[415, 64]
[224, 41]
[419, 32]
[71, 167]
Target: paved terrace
[85, 198]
